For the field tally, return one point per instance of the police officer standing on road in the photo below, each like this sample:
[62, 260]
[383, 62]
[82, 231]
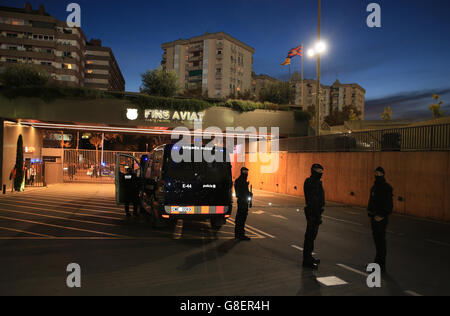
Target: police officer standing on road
[380, 207]
[315, 202]
[131, 191]
[243, 195]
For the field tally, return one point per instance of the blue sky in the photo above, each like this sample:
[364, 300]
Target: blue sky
[400, 64]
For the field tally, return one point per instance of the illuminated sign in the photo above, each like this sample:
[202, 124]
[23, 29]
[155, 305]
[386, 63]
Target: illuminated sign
[152, 115]
[29, 149]
[132, 114]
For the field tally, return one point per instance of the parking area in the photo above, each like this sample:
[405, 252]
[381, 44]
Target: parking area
[87, 211]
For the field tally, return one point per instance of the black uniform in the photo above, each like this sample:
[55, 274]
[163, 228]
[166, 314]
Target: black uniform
[381, 205]
[242, 194]
[315, 201]
[131, 191]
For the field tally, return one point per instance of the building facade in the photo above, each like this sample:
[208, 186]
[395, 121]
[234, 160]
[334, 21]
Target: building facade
[260, 82]
[332, 98]
[34, 37]
[102, 69]
[215, 64]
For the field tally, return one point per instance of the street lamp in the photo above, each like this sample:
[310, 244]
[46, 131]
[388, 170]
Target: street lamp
[319, 48]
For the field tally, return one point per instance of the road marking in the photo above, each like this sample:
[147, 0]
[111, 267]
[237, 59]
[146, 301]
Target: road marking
[342, 220]
[66, 202]
[301, 249]
[351, 269]
[231, 221]
[257, 230]
[62, 218]
[331, 281]
[178, 231]
[441, 243]
[412, 293]
[59, 226]
[23, 231]
[258, 212]
[62, 212]
[279, 216]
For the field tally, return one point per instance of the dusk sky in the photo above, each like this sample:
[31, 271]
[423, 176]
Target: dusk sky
[400, 64]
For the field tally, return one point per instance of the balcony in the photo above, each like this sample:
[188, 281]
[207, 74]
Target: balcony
[195, 48]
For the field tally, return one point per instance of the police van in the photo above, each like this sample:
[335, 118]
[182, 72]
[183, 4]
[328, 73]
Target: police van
[183, 182]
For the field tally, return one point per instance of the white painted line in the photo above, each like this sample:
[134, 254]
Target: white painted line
[412, 293]
[331, 281]
[351, 269]
[258, 212]
[279, 216]
[342, 220]
[257, 230]
[301, 249]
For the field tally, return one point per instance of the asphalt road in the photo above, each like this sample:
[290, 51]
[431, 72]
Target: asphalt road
[44, 230]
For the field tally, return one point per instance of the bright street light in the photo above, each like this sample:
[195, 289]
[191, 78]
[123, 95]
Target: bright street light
[320, 47]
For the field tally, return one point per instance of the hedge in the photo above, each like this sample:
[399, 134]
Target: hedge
[51, 93]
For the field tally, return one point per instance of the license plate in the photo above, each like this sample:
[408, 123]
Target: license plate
[181, 209]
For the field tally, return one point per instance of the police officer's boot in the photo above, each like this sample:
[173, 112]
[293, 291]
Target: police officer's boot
[316, 261]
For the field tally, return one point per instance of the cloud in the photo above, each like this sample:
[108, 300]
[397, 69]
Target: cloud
[412, 104]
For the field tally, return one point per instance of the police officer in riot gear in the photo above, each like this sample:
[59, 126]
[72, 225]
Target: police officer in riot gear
[244, 197]
[315, 202]
[131, 188]
[379, 208]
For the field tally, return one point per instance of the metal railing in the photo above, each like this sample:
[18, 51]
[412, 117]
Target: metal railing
[87, 165]
[418, 138]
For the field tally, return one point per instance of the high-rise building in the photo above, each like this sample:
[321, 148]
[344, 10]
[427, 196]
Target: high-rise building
[332, 98]
[215, 64]
[34, 37]
[102, 70]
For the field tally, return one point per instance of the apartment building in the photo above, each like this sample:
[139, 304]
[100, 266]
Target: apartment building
[216, 64]
[332, 98]
[102, 69]
[34, 37]
[260, 82]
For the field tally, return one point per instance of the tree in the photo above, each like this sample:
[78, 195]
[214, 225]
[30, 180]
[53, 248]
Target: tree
[348, 113]
[436, 107]
[387, 114]
[159, 82]
[18, 179]
[278, 92]
[22, 75]
[96, 141]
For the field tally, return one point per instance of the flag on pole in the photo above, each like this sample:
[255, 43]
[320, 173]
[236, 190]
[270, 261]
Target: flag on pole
[298, 51]
[286, 62]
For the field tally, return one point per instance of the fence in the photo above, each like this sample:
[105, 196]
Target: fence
[88, 166]
[420, 138]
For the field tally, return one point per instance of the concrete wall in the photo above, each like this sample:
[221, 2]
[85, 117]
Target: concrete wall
[31, 138]
[420, 179]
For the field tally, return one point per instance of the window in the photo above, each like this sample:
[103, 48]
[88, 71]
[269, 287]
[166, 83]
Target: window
[219, 52]
[66, 66]
[67, 54]
[11, 35]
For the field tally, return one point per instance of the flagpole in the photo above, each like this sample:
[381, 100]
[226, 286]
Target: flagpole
[302, 100]
[289, 73]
